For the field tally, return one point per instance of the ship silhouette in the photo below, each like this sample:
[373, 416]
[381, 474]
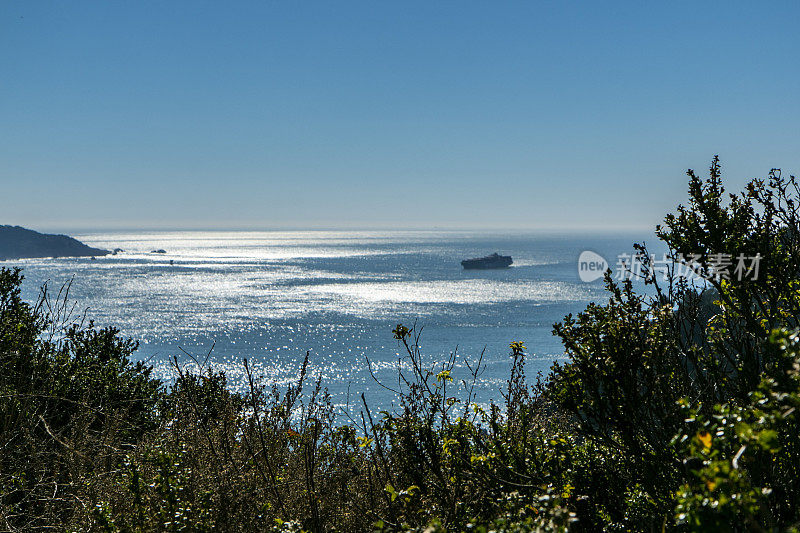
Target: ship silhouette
[490, 261]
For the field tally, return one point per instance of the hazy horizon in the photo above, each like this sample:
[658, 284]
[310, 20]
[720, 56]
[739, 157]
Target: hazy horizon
[360, 115]
[566, 230]
[604, 231]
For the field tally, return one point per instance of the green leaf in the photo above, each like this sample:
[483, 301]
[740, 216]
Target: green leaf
[768, 439]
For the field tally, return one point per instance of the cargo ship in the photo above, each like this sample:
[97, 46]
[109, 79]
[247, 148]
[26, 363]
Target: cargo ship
[490, 261]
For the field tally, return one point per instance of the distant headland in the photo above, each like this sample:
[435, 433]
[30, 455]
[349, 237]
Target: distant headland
[20, 243]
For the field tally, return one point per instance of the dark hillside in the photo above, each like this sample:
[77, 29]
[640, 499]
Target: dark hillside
[18, 243]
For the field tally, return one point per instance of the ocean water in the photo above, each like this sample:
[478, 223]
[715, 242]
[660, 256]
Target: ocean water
[272, 296]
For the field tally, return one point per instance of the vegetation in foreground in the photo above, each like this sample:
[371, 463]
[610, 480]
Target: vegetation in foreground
[677, 411]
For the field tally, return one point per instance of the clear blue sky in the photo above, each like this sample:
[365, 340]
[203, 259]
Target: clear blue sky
[386, 114]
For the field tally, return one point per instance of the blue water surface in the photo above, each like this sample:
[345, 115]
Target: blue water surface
[272, 296]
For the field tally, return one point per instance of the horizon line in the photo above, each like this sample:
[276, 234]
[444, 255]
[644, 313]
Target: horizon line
[83, 229]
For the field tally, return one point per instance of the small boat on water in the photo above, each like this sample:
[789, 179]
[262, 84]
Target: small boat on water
[490, 261]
